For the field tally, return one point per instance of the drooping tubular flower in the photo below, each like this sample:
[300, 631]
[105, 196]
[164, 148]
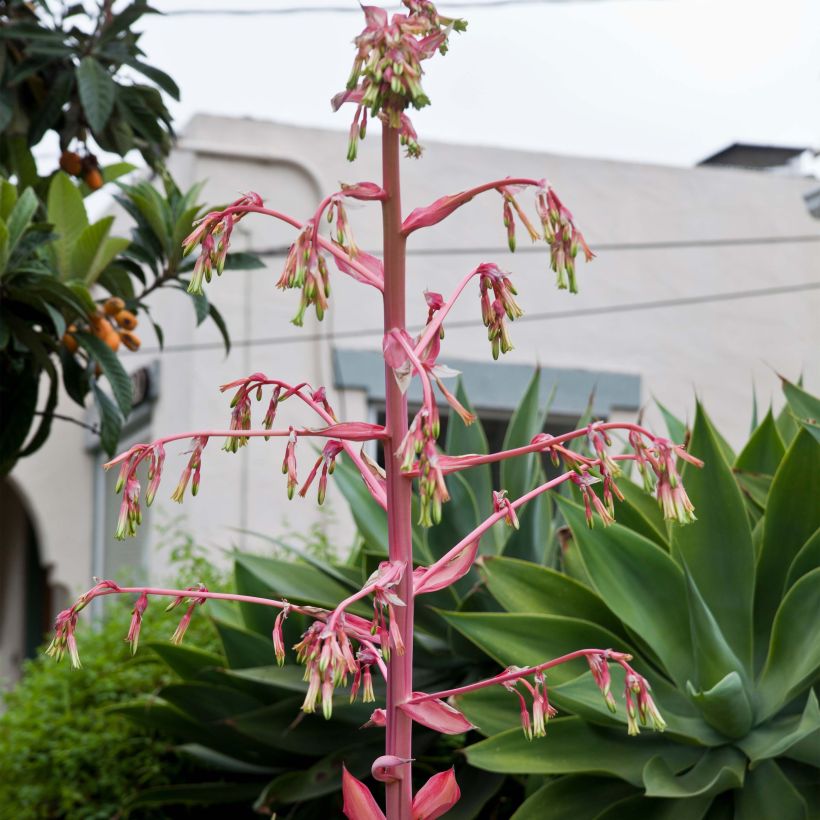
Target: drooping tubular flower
[584, 481]
[672, 495]
[502, 504]
[306, 268]
[563, 237]
[542, 711]
[327, 461]
[386, 75]
[289, 462]
[511, 205]
[503, 306]
[193, 468]
[213, 234]
[384, 581]
[193, 602]
[137, 612]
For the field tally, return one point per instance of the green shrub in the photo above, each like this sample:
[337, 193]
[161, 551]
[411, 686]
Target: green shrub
[63, 753]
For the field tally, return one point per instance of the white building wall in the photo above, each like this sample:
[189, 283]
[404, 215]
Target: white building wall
[716, 350]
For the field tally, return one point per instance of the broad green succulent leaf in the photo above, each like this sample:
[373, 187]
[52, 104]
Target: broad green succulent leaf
[519, 586]
[463, 440]
[212, 759]
[715, 772]
[531, 539]
[278, 679]
[792, 516]
[777, 737]
[647, 808]
[582, 697]
[725, 706]
[764, 450]
[491, 710]
[718, 547]
[208, 703]
[804, 407]
[674, 426]
[794, 649]
[528, 419]
[243, 648]
[573, 746]
[806, 560]
[525, 640]
[641, 513]
[768, 793]
[641, 584]
[370, 518]
[713, 657]
[579, 797]
[195, 794]
[188, 662]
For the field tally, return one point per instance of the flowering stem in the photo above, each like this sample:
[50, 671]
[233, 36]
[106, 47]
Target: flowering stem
[509, 675]
[332, 249]
[435, 323]
[399, 795]
[452, 464]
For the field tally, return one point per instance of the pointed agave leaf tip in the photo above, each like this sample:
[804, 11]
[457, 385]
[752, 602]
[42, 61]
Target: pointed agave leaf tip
[359, 803]
[437, 796]
[437, 715]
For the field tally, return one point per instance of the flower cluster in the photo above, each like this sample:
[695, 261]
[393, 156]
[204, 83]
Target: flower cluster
[542, 711]
[327, 461]
[511, 205]
[502, 306]
[386, 75]
[306, 268]
[192, 469]
[636, 687]
[563, 238]
[213, 234]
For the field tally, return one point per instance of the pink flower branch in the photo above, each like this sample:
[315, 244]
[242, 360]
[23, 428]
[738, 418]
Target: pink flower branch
[434, 213]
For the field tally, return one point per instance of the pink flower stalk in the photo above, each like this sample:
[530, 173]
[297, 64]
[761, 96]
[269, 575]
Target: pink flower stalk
[137, 612]
[289, 463]
[340, 646]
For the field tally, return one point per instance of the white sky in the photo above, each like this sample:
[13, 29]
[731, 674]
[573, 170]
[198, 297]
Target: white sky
[666, 81]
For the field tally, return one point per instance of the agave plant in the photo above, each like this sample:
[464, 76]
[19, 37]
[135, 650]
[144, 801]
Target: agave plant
[236, 713]
[724, 612]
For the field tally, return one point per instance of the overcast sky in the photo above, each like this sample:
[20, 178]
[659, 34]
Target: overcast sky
[666, 81]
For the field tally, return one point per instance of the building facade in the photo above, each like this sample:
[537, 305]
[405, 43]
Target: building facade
[701, 288]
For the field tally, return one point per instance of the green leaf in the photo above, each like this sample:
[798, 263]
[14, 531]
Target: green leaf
[528, 419]
[491, 710]
[195, 794]
[221, 326]
[640, 583]
[94, 250]
[97, 92]
[18, 401]
[792, 516]
[725, 706]
[718, 547]
[186, 661]
[794, 650]
[211, 759]
[717, 771]
[713, 657]
[111, 420]
[579, 797]
[207, 703]
[112, 368]
[777, 737]
[768, 793]
[20, 218]
[163, 80]
[534, 534]
[804, 407]
[526, 640]
[647, 808]
[477, 789]
[675, 427]
[641, 512]
[520, 586]
[370, 518]
[243, 648]
[806, 559]
[573, 746]
[764, 449]
[66, 212]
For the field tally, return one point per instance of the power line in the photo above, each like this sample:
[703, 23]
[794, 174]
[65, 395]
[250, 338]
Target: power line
[663, 244]
[283, 11]
[628, 307]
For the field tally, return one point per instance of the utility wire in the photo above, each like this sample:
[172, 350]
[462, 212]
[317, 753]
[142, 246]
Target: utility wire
[283, 11]
[729, 242]
[628, 307]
